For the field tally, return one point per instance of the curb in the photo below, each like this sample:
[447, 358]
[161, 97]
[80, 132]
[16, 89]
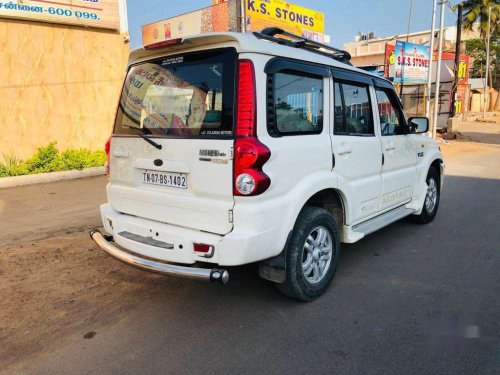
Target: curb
[8, 182]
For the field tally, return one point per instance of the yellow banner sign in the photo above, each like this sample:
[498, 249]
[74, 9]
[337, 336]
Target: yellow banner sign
[292, 18]
[94, 13]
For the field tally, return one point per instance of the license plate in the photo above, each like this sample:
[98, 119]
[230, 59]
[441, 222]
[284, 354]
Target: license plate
[177, 180]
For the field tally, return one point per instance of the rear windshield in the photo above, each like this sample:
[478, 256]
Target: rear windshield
[187, 95]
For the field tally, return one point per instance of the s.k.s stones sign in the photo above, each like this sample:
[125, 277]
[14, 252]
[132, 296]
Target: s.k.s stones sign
[411, 62]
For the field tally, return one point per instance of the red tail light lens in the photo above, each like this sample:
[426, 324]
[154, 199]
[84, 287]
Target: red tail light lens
[249, 153]
[249, 157]
[107, 149]
[245, 118]
[201, 248]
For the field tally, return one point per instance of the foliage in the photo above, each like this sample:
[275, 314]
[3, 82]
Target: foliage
[477, 11]
[44, 160]
[12, 166]
[476, 49]
[80, 159]
[48, 159]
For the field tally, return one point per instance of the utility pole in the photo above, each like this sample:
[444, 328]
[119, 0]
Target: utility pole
[438, 72]
[429, 73]
[486, 93]
[407, 39]
[457, 58]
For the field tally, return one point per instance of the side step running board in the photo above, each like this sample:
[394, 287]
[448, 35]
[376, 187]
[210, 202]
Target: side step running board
[383, 220]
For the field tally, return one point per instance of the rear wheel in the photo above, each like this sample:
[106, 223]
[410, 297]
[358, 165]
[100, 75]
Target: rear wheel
[432, 197]
[312, 255]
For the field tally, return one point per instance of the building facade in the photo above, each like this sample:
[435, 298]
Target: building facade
[60, 79]
[371, 52]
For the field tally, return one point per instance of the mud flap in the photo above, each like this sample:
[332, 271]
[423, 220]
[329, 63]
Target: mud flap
[274, 269]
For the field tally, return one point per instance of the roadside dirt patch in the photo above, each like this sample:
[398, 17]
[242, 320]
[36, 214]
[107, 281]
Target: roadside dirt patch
[46, 210]
[58, 286]
[451, 149]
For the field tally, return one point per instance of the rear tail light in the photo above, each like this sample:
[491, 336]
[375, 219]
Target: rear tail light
[245, 117]
[250, 157]
[107, 149]
[250, 154]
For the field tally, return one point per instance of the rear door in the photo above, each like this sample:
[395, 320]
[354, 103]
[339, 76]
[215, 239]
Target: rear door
[171, 151]
[355, 145]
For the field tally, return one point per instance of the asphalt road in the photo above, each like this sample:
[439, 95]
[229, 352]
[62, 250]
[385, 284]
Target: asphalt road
[407, 299]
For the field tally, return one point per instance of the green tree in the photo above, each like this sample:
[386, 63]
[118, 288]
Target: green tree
[476, 49]
[476, 11]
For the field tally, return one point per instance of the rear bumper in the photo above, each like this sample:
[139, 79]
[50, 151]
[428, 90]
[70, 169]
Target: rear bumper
[212, 275]
[175, 244]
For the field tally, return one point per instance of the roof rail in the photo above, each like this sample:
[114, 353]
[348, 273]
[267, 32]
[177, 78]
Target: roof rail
[297, 41]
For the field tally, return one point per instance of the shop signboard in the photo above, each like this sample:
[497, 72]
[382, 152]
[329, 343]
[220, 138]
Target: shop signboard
[289, 17]
[390, 60]
[94, 13]
[462, 82]
[460, 98]
[463, 69]
[219, 17]
[224, 15]
[411, 62]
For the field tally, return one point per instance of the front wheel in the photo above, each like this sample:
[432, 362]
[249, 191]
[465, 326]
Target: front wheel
[312, 255]
[432, 198]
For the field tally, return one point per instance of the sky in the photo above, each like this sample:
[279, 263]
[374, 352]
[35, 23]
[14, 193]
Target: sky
[343, 18]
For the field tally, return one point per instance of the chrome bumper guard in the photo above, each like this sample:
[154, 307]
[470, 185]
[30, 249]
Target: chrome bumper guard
[213, 275]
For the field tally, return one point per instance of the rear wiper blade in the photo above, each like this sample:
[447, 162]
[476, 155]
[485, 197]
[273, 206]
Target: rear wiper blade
[150, 141]
[141, 133]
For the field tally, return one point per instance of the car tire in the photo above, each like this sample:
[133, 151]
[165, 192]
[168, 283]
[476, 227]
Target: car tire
[314, 243]
[432, 198]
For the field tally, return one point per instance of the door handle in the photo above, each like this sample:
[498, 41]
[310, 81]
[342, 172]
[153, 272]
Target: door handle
[345, 151]
[390, 147]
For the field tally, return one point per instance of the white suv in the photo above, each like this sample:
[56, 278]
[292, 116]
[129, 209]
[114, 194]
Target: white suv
[233, 148]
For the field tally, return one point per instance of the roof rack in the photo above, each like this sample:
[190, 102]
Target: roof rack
[297, 41]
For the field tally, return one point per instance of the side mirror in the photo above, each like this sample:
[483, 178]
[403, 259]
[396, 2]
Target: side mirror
[419, 125]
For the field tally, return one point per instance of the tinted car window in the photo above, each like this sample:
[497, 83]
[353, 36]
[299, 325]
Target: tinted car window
[359, 119]
[298, 103]
[391, 117]
[183, 96]
[338, 112]
[352, 112]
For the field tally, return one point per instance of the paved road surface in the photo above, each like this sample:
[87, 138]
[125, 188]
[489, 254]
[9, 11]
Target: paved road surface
[407, 299]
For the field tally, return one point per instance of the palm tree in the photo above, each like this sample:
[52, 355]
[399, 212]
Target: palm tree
[477, 11]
